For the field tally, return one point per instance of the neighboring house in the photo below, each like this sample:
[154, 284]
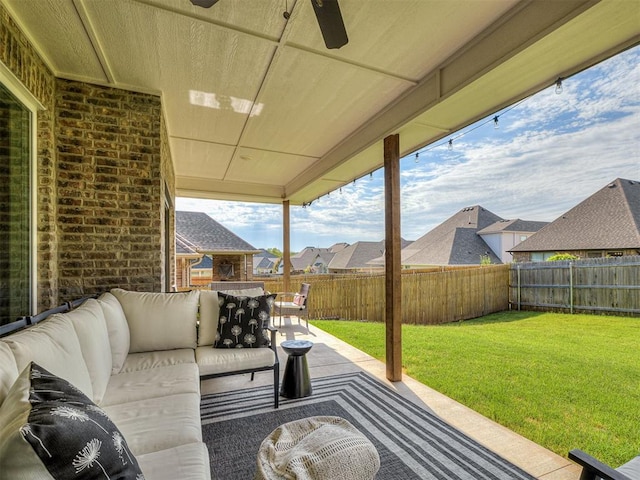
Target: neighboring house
[265, 263]
[605, 224]
[503, 235]
[470, 237]
[361, 257]
[454, 242]
[312, 260]
[200, 235]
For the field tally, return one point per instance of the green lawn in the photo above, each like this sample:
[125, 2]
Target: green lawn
[563, 381]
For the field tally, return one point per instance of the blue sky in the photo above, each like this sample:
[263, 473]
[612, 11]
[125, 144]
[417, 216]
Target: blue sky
[549, 153]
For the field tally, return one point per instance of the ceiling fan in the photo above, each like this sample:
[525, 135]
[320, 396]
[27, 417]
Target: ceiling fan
[328, 16]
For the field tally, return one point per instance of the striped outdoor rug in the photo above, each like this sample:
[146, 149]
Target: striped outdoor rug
[412, 442]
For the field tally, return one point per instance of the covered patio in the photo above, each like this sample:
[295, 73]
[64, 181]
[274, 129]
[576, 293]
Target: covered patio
[132, 103]
[331, 356]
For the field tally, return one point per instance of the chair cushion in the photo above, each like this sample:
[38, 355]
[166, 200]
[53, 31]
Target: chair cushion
[632, 468]
[119, 338]
[8, 370]
[298, 299]
[54, 345]
[49, 429]
[91, 328]
[243, 320]
[213, 361]
[160, 321]
[186, 462]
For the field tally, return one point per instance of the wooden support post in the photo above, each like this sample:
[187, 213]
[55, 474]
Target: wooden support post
[393, 289]
[286, 246]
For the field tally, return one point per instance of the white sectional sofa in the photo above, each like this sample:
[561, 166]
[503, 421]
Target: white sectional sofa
[134, 359]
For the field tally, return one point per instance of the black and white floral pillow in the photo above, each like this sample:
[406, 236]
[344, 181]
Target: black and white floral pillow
[243, 320]
[72, 436]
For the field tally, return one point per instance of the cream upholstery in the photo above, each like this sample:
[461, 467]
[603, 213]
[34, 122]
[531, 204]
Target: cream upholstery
[53, 344]
[158, 423]
[154, 382]
[160, 321]
[186, 462]
[164, 358]
[218, 360]
[91, 328]
[119, 338]
[9, 371]
[138, 357]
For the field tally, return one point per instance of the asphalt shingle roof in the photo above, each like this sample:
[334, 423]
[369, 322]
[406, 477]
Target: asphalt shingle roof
[608, 219]
[516, 225]
[455, 241]
[207, 235]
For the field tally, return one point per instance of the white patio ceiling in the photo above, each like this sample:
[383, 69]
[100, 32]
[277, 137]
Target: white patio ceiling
[258, 109]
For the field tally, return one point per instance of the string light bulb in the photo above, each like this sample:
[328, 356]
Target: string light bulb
[558, 86]
[417, 157]
[495, 122]
[450, 147]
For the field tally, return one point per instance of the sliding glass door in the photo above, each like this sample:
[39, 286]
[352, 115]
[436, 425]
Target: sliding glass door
[15, 208]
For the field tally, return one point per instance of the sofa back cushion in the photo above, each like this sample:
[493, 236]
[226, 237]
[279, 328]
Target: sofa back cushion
[160, 321]
[91, 328]
[54, 345]
[8, 370]
[210, 309]
[118, 328]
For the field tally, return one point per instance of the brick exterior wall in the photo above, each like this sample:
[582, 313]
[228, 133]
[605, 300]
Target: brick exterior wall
[104, 172]
[110, 189]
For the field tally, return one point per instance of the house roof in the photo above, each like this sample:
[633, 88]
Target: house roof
[356, 255]
[517, 225]
[264, 262]
[185, 247]
[258, 109]
[208, 236]
[608, 219]
[205, 263]
[308, 256]
[455, 241]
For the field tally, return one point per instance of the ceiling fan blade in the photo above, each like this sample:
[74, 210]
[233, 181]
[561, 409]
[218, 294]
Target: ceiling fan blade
[331, 23]
[204, 3]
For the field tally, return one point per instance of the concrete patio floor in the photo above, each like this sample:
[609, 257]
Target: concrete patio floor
[331, 356]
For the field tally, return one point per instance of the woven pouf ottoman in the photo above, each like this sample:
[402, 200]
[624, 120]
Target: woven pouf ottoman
[317, 448]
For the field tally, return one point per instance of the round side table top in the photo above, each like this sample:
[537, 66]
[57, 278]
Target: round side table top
[296, 347]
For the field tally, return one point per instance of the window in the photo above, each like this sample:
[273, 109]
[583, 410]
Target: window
[16, 229]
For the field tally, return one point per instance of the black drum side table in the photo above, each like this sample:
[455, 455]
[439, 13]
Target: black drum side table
[296, 382]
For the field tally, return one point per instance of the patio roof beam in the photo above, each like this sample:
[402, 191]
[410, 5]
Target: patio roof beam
[393, 288]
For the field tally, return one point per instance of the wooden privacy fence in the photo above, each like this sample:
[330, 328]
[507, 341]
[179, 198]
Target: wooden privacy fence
[603, 285]
[431, 296]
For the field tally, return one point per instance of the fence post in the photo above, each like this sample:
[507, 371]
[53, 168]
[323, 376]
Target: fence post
[571, 287]
[518, 290]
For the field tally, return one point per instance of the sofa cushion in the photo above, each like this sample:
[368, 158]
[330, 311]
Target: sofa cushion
[163, 358]
[632, 468]
[91, 328]
[49, 429]
[213, 361]
[118, 329]
[210, 310]
[158, 423]
[156, 382]
[186, 462]
[243, 320]
[160, 321]
[54, 345]
[8, 370]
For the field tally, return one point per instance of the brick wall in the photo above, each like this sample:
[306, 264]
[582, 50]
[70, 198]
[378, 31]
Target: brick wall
[110, 189]
[104, 166]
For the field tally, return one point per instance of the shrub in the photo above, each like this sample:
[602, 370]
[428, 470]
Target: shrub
[562, 256]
